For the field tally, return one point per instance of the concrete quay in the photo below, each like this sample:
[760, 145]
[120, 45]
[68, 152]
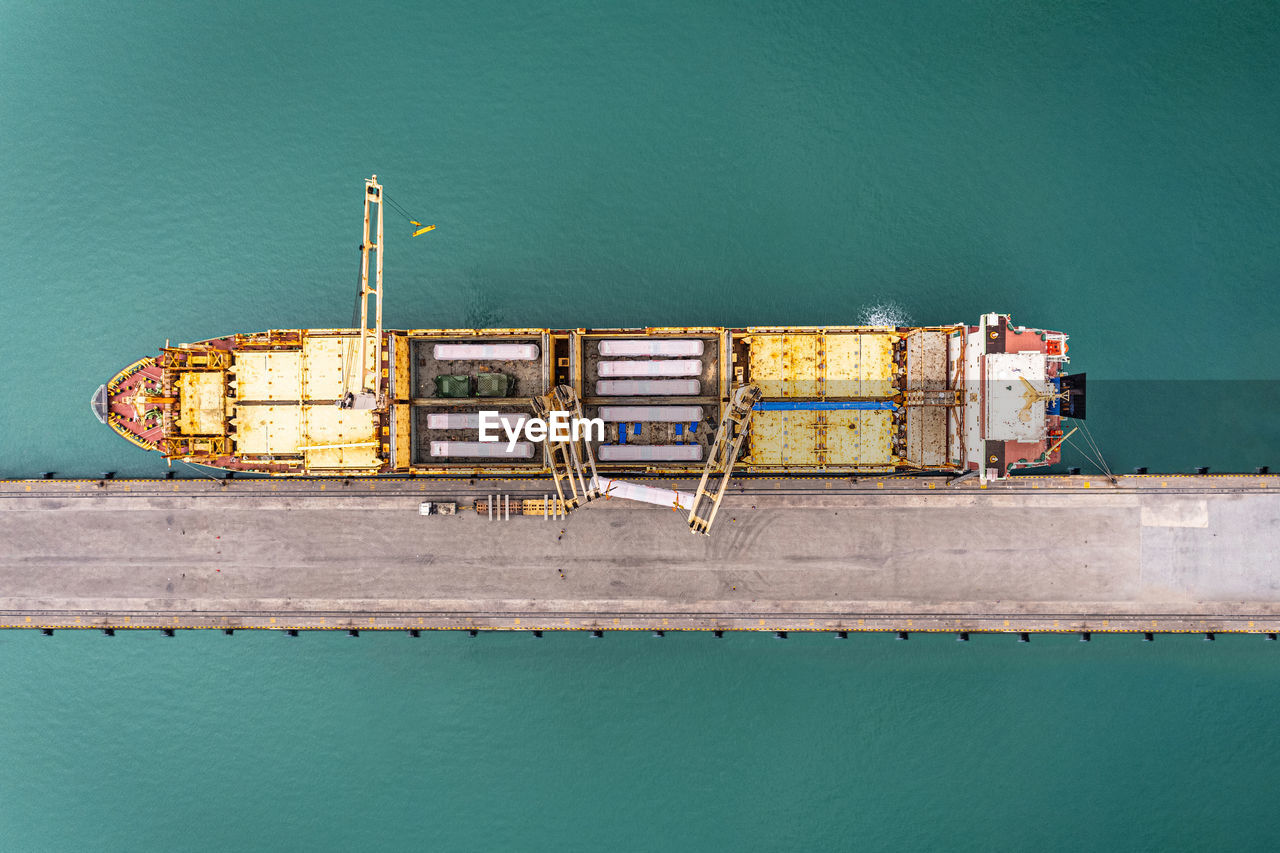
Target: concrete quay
[1146, 554]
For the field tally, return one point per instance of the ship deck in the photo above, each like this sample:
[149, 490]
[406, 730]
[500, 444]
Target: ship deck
[833, 400]
[1156, 553]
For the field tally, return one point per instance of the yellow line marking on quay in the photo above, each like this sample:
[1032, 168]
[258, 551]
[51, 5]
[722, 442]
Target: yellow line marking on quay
[472, 627]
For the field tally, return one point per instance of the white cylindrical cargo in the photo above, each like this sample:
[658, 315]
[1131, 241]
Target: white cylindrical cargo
[658, 367]
[651, 346]
[647, 387]
[649, 452]
[661, 414]
[485, 352]
[471, 420]
[487, 449]
[669, 498]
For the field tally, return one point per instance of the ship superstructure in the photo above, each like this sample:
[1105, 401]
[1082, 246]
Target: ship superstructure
[985, 398]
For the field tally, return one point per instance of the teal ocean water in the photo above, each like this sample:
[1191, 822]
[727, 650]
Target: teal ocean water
[630, 742]
[179, 171]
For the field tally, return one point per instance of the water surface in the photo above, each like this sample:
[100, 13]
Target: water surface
[181, 171]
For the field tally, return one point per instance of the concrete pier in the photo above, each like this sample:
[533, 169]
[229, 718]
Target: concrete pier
[1147, 553]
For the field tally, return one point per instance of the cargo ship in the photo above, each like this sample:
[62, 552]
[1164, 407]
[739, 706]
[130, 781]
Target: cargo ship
[983, 399]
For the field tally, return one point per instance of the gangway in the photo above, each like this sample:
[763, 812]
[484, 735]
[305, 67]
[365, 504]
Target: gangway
[721, 456]
[573, 467]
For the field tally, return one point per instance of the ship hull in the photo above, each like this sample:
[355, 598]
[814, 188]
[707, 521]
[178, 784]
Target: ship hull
[833, 400]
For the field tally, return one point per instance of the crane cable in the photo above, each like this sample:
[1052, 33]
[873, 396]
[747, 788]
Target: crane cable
[1093, 453]
[1089, 437]
[398, 208]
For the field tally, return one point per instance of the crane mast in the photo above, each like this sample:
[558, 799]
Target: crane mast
[367, 392]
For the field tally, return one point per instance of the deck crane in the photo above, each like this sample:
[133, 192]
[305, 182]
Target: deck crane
[573, 465]
[364, 383]
[721, 457]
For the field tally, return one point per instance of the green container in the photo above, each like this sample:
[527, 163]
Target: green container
[494, 385]
[453, 386]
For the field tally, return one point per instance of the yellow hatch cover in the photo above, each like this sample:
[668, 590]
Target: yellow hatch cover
[326, 436]
[842, 437]
[274, 375]
[317, 372]
[340, 438]
[822, 365]
[326, 362]
[268, 430]
[285, 405]
[201, 403]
